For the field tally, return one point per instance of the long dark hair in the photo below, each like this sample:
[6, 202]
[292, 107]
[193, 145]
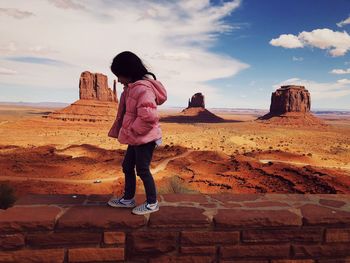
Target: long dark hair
[128, 65]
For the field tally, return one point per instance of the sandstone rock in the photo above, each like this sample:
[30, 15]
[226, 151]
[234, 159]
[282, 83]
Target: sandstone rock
[94, 86]
[87, 110]
[97, 102]
[179, 217]
[256, 218]
[290, 99]
[290, 105]
[27, 218]
[96, 254]
[99, 217]
[197, 100]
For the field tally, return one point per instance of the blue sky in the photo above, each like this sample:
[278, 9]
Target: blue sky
[235, 52]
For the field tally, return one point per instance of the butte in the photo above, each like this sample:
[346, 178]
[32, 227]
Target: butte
[195, 112]
[97, 102]
[290, 105]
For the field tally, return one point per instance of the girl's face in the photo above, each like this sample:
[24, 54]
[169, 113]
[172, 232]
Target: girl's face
[123, 80]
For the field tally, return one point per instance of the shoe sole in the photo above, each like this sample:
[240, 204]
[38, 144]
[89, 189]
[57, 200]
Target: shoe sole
[146, 212]
[120, 206]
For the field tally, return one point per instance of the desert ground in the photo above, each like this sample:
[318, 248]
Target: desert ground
[241, 155]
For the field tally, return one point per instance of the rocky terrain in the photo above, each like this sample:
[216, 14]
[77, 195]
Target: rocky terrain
[238, 156]
[228, 151]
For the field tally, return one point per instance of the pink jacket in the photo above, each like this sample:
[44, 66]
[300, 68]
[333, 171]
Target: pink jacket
[137, 119]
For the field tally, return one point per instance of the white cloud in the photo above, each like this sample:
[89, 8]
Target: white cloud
[15, 13]
[67, 4]
[343, 81]
[41, 50]
[6, 71]
[344, 22]
[337, 43]
[318, 91]
[12, 48]
[297, 58]
[172, 37]
[340, 71]
[8, 48]
[287, 41]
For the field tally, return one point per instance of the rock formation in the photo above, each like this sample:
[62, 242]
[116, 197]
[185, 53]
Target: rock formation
[197, 100]
[290, 99]
[195, 112]
[97, 102]
[94, 86]
[291, 105]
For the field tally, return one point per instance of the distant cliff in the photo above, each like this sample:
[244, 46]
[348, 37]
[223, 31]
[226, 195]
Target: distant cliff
[97, 102]
[290, 99]
[290, 105]
[197, 100]
[94, 86]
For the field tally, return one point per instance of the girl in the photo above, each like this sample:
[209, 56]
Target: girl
[137, 125]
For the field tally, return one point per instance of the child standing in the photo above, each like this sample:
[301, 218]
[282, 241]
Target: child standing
[137, 125]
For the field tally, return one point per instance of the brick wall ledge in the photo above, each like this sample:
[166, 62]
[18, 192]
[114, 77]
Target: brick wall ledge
[269, 228]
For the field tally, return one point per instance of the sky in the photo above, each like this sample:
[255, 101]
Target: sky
[235, 52]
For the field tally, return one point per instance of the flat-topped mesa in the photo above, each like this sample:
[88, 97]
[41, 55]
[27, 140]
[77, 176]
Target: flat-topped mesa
[290, 98]
[94, 86]
[290, 105]
[197, 100]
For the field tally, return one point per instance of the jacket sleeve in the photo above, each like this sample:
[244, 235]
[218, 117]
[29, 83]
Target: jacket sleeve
[147, 115]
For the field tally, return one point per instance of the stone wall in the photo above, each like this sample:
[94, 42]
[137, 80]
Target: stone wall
[269, 228]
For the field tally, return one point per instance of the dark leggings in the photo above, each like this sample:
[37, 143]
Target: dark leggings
[139, 156]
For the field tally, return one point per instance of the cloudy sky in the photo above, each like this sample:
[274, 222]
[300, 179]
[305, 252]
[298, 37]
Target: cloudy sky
[234, 52]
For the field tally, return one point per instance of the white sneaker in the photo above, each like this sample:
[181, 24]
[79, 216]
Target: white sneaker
[121, 202]
[146, 208]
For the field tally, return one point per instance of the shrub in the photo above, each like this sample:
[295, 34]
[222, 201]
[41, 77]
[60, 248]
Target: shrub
[176, 186]
[7, 196]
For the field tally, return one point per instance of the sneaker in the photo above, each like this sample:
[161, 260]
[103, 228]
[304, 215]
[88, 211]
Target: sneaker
[145, 208]
[121, 202]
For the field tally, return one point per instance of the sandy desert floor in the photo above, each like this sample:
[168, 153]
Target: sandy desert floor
[40, 155]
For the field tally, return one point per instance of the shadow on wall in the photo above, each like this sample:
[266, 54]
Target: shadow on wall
[7, 196]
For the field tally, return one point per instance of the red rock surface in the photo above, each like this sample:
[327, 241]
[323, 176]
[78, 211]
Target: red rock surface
[11, 241]
[21, 218]
[94, 86]
[153, 242]
[314, 215]
[96, 254]
[256, 218]
[290, 99]
[61, 239]
[179, 217]
[29, 255]
[99, 217]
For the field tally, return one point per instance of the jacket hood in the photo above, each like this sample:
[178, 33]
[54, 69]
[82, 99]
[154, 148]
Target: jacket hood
[158, 88]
